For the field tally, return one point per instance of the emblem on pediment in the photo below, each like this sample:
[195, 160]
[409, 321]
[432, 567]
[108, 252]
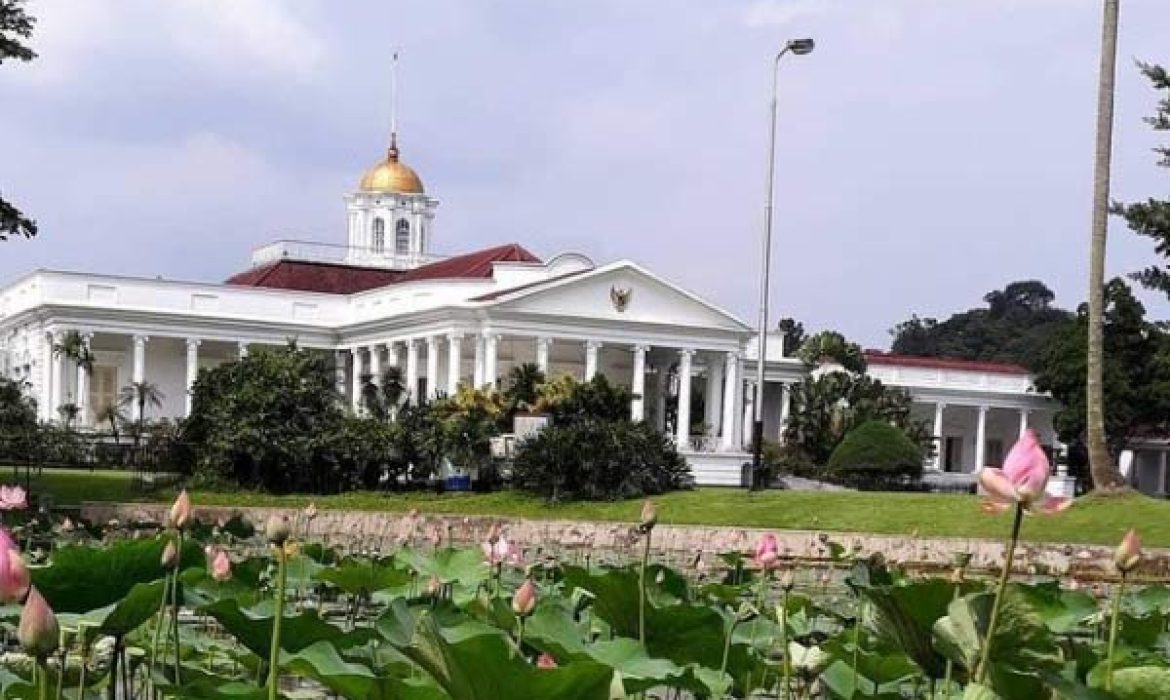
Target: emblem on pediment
[620, 298]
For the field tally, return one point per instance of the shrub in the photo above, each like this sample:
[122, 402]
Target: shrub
[875, 452]
[599, 459]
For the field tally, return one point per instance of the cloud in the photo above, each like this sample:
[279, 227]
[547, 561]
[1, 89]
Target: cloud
[775, 13]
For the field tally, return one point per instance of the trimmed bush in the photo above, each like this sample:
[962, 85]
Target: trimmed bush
[875, 452]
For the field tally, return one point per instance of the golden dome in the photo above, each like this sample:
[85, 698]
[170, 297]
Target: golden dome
[392, 176]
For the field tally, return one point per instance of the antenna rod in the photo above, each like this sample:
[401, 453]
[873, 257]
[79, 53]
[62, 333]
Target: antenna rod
[394, 100]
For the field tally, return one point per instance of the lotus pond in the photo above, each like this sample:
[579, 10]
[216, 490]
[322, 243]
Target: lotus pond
[192, 610]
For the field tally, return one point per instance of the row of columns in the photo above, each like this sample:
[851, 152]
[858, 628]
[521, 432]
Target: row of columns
[980, 433]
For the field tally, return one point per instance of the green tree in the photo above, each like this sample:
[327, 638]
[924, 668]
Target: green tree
[794, 335]
[139, 395]
[831, 346]
[523, 392]
[873, 454]
[73, 347]
[1104, 471]
[16, 25]
[1136, 373]
[111, 414]
[1151, 218]
[383, 400]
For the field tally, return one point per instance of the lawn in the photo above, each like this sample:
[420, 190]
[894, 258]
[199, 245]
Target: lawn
[1091, 520]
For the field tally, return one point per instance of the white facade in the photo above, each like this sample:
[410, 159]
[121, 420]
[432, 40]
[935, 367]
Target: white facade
[445, 326]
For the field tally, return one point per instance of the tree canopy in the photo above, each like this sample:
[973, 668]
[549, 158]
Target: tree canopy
[16, 25]
[1151, 218]
[1015, 326]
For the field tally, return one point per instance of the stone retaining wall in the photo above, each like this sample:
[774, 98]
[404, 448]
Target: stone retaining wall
[678, 544]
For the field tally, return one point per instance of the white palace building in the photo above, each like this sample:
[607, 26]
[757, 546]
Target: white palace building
[384, 299]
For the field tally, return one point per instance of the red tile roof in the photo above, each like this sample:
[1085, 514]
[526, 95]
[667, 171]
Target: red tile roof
[336, 278]
[877, 357]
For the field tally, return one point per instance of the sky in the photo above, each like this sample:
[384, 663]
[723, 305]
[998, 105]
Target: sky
[927, 152]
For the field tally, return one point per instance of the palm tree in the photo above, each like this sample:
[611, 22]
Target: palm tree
[112, 414]
[524, 382]
[68, 413]
[383, 402]
[73, 347]
[138, 394]
[1105, 473]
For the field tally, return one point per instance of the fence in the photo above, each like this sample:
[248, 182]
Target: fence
[51, 447]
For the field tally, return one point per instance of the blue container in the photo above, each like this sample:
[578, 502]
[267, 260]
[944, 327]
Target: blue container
[459, 483]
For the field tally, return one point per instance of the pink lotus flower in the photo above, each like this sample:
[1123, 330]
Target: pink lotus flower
[14, 576]
[180, 511]
[170, 556]
[13, 498]
[6, 541]
[524, 601]
[498, 551]
[38, 631]
[1022, 480]
[1128, 553]
[221, 566]
[544, 661]
[767, 551]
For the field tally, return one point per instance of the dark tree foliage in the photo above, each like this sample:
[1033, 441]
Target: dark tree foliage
[18, 421]
[1151, 218]
[523, 390]
[595, 399]
[1016, 325]
[1136, 376]
[831, 346]
[272, 420]
[873, 452]
[794, 335]
[16, 25]
[599, 459]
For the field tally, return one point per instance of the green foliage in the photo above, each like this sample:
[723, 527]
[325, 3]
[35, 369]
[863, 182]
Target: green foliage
[523, 392]
[827, 407]
[1015, 326]
[16, 25]
[18, 419]
[1136, 373]
[566, 400]
[1151, 218]
[876, 446]
[599, 459]
[794, 335]
[831, 346]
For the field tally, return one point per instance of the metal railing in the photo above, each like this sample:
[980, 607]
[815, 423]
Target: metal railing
[311, 251]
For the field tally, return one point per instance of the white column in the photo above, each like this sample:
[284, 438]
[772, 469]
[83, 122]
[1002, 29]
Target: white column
[785, 408]
[192, 370]
[638, 384]
[433, 387]
[412, 370]
[454, 362]
[1023, 421]
[82, 400]
[477, 369]
[391, 354]
[591, 348]
[747, 418]
[46, 363]
[339, 373]
[243, 349]
[713, 394]
[376, 364]
[981, 439]
[1163, 485]
[57, 367]
[730, 384]
[542, 351]
[660, 398]
[355, 379]
[938, 435]
[491, 349]
[138, 371]
[684, 399]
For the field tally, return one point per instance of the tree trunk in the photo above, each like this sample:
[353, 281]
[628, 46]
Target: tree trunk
[1105, 473]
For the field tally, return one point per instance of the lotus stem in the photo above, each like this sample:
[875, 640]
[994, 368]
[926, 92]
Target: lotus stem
[787, 666]
[642, 588]
[175, 610]
[985, 659]
[158, 625]
[1116, 613]
[857, 638]
[42, 678]
[274, 652]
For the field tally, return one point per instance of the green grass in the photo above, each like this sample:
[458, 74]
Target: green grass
[1101, 520]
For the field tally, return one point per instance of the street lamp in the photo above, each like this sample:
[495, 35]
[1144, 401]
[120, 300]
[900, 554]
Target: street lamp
[799, 47]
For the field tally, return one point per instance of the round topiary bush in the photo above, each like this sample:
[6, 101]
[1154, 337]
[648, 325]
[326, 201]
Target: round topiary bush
[875, 453]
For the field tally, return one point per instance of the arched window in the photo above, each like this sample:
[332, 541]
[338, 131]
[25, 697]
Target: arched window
[402, 237]
[379, 236]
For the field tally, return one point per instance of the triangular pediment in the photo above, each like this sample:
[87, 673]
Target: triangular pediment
[618, 292]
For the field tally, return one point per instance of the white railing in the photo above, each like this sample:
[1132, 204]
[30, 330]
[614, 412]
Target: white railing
[311, 251]
[703, 443]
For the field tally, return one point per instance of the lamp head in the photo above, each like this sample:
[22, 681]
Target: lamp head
[801, 47]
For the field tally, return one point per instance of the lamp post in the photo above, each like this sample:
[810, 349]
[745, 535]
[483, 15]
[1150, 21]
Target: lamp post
[799, 47]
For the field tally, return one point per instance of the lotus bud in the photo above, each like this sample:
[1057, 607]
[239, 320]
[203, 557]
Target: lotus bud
[493, 535]
[180, 511]
[311, 511]
[649, 516]
[276, 529]
[434, 587]
[767, 551]
[1128, 553]
[788, 581]
[170, 556]
[524, 600]
[544, 661]
[38, 631]
[957, 576]
[14, 576]
[221, 567]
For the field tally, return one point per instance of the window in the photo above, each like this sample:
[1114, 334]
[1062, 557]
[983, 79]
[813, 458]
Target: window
[379, 236]
[402, 237]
